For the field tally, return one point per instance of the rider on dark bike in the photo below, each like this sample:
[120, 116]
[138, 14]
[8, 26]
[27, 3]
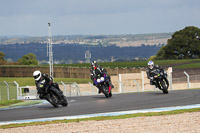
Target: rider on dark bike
[96, 70]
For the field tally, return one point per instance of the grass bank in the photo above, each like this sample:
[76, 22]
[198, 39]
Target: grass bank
[31, 82]
[9, 102]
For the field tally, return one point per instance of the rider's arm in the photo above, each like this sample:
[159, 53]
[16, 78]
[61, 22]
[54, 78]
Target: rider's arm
[47, 78]
[148, 73]
[92, 75]
[160, 68]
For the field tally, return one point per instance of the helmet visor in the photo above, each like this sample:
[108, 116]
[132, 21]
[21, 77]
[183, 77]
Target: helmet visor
[36, 77]
[150, 66]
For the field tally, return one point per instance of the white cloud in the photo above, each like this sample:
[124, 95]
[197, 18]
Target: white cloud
[30, 17]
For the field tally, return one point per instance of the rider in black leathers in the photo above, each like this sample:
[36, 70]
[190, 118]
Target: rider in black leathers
[96, 70]
[150, 71]
[43, 81]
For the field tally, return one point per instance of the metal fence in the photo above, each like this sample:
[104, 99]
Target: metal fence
[8, 90]
[123, 83]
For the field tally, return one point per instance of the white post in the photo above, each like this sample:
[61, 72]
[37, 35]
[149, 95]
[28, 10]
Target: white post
[137, 84]
[78, 90]
[120, 83]
[17, 88]
[65, 88]
[142, 72]
[7, 90]
[92, 87]
[188, 79]
[170, 77]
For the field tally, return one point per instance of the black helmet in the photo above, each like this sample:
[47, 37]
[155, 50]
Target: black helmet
[94, 64]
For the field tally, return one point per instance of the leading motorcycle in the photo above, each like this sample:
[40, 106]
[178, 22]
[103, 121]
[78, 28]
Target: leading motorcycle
[54, 96]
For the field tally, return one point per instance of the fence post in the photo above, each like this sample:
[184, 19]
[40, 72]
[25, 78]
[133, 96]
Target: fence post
[137, 84]
[170, 77]
[78, 90]
[142, 72]
[65, 88]
[92, 87]
[17, 88]
[120, 83]
[188, 79]
[7, 90]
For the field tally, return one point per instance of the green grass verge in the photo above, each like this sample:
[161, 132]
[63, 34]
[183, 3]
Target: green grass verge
[31, 82]
[22, 103]
[132, 63]
[192, 65]
[9, 102]
[103, 118]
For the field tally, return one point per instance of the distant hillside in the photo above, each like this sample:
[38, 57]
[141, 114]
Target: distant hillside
[68, 53]
[119, 40]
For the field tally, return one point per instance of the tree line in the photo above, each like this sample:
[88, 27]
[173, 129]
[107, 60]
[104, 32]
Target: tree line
[76, 53]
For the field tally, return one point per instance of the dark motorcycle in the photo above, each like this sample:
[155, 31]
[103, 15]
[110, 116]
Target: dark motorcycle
[102, 84]
[54, 96]
[161, 81]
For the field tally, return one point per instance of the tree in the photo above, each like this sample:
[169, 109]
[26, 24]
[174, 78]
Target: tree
[2, 60]
[152, 58]
[2, 55]
[29, 59]
[184, 44]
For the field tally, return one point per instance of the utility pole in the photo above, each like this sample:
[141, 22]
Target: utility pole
[49, 51]
[87, 56]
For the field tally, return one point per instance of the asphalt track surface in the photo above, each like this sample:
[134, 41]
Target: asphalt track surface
[100, 104]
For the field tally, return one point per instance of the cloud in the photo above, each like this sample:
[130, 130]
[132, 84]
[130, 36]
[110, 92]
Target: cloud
[30, 17]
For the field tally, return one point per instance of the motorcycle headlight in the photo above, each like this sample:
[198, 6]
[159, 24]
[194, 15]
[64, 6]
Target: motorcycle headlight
[98, 80]
[102, 78]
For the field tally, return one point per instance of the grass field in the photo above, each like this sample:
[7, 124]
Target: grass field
[192, 65]
[135, 63]
[9, 102]
[131, 64]
[30, 81]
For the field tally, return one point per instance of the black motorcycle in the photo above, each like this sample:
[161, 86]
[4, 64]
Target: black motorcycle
[161, 81]
[54, 96]
[102, 84]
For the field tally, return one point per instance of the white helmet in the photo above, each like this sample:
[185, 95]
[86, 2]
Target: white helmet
[150, 64]
[37, 75]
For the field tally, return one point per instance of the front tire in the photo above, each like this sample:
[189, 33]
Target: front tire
[64, 101]
[164, 87]
[53, 98]
[105, 91]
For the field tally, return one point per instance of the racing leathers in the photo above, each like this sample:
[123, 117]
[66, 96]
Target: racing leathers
[43, 83]
[95, 72]
[150, 73]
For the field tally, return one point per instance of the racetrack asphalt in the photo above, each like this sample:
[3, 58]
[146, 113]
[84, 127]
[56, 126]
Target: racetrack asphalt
[100, 104]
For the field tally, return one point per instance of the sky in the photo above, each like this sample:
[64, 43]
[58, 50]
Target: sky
[96, 17]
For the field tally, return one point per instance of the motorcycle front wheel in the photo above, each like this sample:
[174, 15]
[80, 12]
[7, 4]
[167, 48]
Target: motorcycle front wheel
[105, 91]
[53, 99]
[64, 101]
[164, 87]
